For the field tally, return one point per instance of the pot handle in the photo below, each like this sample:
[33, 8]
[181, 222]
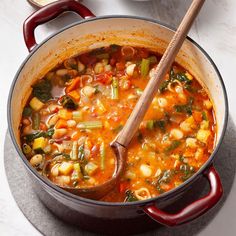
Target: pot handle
[48, 13]
[193, 210]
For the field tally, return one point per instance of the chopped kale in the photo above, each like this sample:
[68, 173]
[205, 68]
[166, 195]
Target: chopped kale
[182, 78]
[47, 134]
[175, 76]
[42, 90]
[27, 112]
[68, 102]
[187, 108]
[161, 124]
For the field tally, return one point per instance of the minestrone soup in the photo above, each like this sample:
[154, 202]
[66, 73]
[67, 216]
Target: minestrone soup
[78, 108]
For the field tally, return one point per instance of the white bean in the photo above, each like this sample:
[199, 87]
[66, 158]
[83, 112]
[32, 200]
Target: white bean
[71, 123]
[36, 160]
[58, 133]
[130, 69]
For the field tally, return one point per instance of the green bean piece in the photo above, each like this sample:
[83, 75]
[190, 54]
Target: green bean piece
[35, 120]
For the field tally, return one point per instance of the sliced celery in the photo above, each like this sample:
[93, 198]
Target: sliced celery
[74, 151]
[145, 67]
[90, 125]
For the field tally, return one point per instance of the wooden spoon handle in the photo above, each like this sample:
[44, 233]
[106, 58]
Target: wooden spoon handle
[167, 59]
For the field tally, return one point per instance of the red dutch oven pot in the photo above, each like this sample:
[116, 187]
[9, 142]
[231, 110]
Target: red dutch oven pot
[95, 32]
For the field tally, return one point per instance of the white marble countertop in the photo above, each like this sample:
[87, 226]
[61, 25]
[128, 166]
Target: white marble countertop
[214, 30]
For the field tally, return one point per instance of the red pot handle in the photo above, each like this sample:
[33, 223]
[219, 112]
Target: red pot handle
[193, 210]
[48, 13]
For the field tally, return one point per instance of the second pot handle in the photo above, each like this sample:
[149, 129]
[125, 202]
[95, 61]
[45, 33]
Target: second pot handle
[48, 13]
[193, 210]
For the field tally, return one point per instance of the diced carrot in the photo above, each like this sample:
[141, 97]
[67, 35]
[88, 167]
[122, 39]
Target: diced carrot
[61, 124]
[74, 85]
[197, 115]
[65, 114]
[75, 95]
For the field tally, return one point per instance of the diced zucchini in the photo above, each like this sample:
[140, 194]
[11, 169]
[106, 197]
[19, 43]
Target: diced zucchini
[36, 104]
[65, 168]
[77, 167]
[204, 124]
[39, 144]
[91, 168]
[203, 135]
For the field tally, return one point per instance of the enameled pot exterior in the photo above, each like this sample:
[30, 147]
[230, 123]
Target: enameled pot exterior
[93, 33]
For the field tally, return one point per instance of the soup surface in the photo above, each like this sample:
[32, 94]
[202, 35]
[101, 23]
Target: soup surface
[78, 108]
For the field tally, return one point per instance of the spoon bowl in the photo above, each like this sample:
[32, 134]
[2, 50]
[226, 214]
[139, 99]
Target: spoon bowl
[98, 191]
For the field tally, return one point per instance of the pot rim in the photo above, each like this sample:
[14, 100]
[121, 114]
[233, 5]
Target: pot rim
[71, 196]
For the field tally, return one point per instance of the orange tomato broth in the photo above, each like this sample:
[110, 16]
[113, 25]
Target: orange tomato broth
[174, 140]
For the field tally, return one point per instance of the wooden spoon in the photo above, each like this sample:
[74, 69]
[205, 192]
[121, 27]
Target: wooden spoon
[123, 139]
